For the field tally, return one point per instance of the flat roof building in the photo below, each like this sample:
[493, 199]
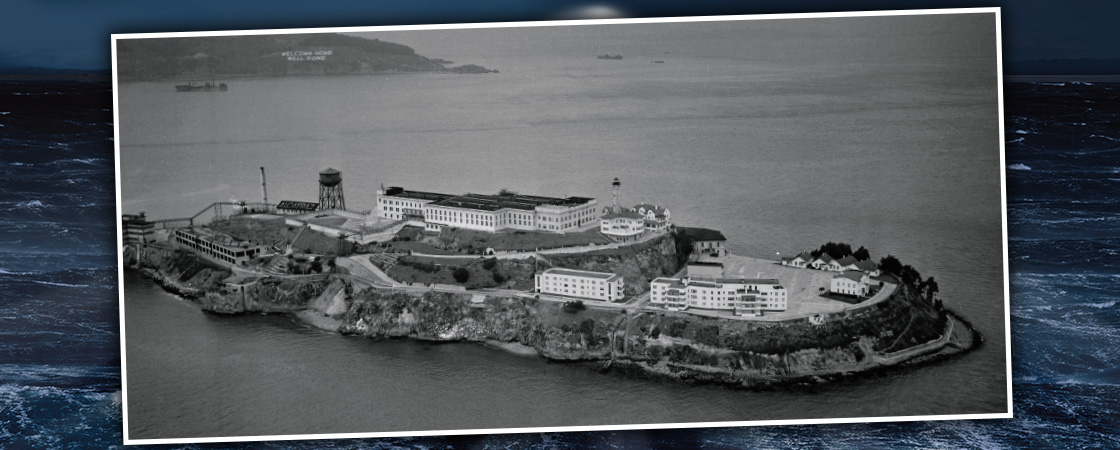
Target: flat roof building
[581, 284]
[486, 212]
[742, 296]
[218, 246]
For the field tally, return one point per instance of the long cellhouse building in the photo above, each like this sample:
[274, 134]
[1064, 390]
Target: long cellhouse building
[504, 211]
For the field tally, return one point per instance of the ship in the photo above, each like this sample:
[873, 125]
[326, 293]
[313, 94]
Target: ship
[609, 56]
[206, 87]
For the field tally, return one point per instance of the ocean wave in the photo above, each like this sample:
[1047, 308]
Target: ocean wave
[31, 204]
[1018, 166]
[52, 283]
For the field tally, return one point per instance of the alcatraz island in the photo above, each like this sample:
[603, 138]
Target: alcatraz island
[619, 286]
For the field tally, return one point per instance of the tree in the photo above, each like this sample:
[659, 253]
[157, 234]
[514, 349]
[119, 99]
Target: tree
[499, 278]
[587, 327]
[862, 254]
[836, 250]
[891, 265]
[910, 275]
[574, 306]
[461, 274]
[931, 288]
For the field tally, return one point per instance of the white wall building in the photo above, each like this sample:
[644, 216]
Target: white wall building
[580, 283]
[801, 260]
[656, 218]
[623, 226]
[850, 282]
[489, 213]
[743, 296]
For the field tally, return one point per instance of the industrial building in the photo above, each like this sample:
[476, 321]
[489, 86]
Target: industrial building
[216, 245]
[135, 228]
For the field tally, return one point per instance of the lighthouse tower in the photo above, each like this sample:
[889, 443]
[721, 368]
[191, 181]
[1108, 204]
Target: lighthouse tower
[616, 186]
[330, 190]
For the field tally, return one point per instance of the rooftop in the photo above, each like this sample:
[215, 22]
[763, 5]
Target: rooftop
[484, 202]
[623, 215]
[583, 273]
[853, 275]
[297, 206]
[703, 234]
[706, 263]
[397, 191]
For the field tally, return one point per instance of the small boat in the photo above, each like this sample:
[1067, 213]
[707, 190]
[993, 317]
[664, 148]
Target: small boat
[207, 87]
[659, 62]
[609, 56]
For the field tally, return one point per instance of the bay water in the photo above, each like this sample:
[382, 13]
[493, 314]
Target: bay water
[902, 158]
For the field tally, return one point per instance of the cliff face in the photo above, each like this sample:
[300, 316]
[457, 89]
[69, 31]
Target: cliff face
[267, 295]
[437, 316]
[179, 270]
[676, 345]
[637, 264]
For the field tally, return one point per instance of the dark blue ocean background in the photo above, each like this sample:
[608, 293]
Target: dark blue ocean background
[60, 374]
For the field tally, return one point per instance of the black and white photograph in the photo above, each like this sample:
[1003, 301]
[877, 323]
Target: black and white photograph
[554, 226]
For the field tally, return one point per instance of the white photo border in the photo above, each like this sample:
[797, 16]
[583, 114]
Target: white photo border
[653, 426]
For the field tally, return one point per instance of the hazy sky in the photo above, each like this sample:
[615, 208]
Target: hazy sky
[846, 39]
[75, 33]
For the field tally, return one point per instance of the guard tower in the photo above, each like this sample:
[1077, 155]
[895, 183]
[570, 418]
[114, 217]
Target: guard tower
[330, 190]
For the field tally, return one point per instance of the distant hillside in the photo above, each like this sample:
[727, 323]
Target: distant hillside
[226, 56]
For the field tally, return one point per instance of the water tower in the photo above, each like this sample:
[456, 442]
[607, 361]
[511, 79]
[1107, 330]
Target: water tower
[330, 190]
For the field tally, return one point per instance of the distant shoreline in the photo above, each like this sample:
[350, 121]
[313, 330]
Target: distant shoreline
[90, 78]
[1060, 78]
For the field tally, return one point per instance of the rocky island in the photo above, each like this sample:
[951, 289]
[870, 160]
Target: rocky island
[634, 338]
[225, 57]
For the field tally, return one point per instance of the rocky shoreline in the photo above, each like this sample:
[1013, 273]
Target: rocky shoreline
[641, 343]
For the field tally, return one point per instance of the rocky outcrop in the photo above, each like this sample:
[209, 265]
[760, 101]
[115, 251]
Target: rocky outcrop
[178, 271]
[446, 317]
[904, 329]
[268, 295]
[636, 263]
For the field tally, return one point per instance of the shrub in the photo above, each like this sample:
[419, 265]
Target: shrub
[499, 278]
[490, 263]
[574, 306]
[461, 274]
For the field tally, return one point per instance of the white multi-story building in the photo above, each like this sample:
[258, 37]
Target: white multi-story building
[506, 211]
[851, 282]
[580, 283]
[622, 226]
[743, 296]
